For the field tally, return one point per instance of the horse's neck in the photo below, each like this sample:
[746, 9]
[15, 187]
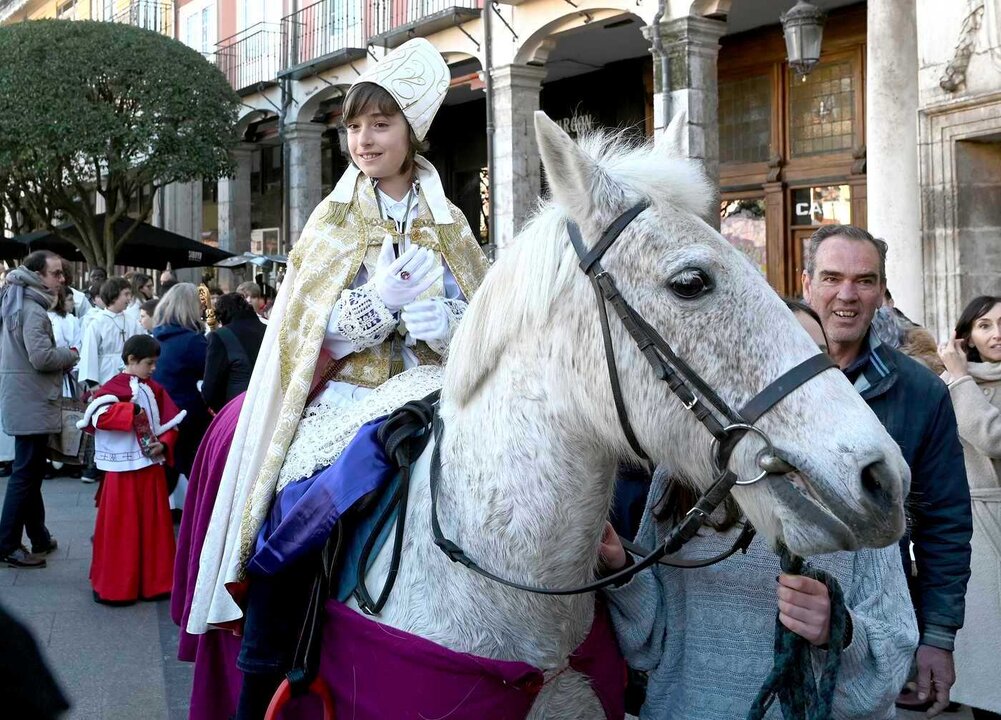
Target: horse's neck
[525, 490]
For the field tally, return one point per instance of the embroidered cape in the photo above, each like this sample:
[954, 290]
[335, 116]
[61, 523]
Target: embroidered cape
[344, 231]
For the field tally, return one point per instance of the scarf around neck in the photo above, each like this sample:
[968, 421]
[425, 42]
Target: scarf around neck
[21, 284]
[979, 371]
[984, 371]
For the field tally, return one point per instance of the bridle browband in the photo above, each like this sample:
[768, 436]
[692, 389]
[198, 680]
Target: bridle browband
[687, 385]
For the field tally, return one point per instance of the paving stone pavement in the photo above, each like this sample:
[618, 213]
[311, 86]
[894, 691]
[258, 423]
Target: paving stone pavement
[113, 663]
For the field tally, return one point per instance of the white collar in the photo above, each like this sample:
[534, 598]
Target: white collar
[431, 188]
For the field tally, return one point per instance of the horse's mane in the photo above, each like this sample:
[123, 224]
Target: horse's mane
[539, 265]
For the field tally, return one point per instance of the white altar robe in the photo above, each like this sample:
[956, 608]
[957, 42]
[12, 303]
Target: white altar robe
[101, 350]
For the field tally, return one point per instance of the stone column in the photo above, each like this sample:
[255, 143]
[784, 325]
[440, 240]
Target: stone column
[234, 202]
[891, 126]
[516, 182]
[182, 209]
[691, 48]
[305, 180]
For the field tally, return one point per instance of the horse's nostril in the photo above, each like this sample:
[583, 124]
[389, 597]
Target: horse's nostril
[877, 481]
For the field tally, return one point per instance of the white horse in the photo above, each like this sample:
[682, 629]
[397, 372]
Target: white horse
[532, 437]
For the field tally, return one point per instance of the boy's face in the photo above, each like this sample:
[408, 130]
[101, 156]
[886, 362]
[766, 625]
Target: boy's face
[142, 369]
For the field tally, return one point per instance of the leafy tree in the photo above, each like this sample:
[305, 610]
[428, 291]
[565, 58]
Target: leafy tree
[93, 108]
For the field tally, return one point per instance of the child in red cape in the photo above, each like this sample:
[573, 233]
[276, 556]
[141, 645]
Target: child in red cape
[134, 422]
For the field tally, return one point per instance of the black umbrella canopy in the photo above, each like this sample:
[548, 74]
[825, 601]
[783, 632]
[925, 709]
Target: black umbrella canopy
[149, 247]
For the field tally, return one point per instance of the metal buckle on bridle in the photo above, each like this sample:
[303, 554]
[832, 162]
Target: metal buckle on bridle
[742, 428]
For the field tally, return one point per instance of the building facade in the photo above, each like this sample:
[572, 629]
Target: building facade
[896, 129]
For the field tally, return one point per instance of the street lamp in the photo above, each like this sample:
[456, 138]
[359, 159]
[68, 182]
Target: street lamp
[803, 28]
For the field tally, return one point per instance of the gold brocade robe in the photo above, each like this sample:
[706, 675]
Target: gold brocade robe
[337, 240]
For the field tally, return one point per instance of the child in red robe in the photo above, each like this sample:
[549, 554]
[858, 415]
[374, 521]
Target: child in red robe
[134, 422]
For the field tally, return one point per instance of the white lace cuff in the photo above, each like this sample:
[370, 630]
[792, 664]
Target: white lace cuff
[455, 310]
[364, 319]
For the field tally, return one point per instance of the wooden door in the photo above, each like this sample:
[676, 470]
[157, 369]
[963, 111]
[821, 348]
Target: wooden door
[796, 251]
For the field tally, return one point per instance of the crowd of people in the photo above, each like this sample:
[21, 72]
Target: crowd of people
[65, 354]
[399, 263]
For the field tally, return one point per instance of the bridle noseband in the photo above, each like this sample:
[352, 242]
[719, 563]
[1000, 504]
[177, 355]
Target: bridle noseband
[689, 387]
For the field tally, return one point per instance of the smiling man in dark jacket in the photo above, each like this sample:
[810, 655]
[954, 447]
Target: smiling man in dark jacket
[844, 281]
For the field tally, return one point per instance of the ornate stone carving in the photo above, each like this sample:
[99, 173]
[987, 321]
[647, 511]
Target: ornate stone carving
[955, 72]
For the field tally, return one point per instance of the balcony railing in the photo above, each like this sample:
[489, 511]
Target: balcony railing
[326, 33]
[251, 58]
[392, 22]
[150, 15]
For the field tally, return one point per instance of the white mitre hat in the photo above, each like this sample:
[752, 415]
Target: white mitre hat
[416, 75]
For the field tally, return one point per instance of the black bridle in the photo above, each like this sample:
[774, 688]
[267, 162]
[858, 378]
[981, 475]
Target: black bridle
[693, 392]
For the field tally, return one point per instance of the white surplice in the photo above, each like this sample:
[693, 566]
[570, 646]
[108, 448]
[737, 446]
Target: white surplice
[101, 349]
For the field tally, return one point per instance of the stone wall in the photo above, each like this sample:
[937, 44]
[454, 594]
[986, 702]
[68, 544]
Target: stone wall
[959, 122]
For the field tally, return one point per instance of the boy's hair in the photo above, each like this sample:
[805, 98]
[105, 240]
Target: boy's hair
[140, 347]
[112, 288]
[150, 306]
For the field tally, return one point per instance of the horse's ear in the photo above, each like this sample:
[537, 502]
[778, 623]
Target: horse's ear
[671, 142]
[569, 172]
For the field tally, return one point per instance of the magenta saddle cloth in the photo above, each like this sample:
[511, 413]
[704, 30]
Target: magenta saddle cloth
[374, 671]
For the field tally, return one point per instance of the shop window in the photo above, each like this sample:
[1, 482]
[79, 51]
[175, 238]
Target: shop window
[745, 119]
[826, 205]
[822, 110]
[742, 223]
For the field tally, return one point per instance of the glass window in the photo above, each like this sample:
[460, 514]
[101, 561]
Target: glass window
[66, 10]
[822, 109]
[745, 119]
[742, 223]
[826, 205]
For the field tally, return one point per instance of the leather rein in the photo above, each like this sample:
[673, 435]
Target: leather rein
[695, 395]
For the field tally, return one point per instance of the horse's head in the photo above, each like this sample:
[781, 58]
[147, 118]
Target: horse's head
[719, 315]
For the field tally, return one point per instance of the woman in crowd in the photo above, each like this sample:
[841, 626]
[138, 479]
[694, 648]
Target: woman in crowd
[178, 328]
[705, 635]
[232, 350]
[972, 361]
[142, 290]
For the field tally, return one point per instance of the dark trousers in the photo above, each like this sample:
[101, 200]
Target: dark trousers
[23, 509]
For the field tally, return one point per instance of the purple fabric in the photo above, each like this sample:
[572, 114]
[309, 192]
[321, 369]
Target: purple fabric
[304, 512]
[376, 672]
[203, 485]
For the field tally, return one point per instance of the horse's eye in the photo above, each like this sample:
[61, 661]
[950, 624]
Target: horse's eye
[690, 283]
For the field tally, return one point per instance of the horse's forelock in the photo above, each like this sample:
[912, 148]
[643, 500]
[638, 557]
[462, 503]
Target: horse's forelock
[540, 265]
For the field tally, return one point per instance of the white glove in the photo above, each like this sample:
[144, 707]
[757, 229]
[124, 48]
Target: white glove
[427, 320]
[399, 281]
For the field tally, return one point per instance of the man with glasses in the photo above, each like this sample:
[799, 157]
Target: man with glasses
[31, 373]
